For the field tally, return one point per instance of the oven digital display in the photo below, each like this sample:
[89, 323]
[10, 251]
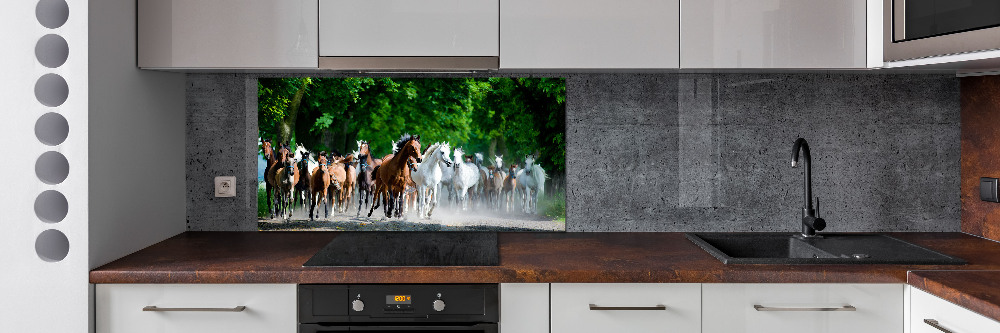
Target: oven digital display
[397, 299]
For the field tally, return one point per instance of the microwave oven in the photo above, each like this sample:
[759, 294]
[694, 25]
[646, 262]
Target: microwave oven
[914, 29]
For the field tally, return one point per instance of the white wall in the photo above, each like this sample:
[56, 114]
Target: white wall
[125, 184]
[38, 295]
[137, 131]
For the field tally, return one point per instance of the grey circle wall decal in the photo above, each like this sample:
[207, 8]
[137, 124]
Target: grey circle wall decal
[51, 90]
[51, 129]
[52, 167]
[51, 51]
[52, 13]
[51, 206]
[52, 245]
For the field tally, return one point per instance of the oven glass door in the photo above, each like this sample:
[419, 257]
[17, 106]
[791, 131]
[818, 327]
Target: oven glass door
[929, 18]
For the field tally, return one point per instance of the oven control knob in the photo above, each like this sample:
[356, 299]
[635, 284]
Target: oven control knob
[438, 305]
[358, 305]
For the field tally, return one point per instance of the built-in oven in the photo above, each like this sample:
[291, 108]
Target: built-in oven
[927, 28]
[466, 308]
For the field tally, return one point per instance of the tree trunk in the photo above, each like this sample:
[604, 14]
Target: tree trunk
[288, 122]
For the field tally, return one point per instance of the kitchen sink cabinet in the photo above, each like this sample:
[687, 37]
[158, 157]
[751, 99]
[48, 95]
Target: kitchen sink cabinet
[196, 308]
[780, 34]
[802, 308]
[930, 314]
[585, 34]
[626, 307]
[225, 34]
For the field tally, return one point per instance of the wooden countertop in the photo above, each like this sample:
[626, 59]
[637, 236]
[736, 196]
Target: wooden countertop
[978, 291]
[277, 257]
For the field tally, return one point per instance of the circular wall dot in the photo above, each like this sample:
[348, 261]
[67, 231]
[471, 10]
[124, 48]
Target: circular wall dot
[51, 129]
[52, 167]
[52, 245]
[51, 206]
[51, 90]
[52, 13]
[51, 51]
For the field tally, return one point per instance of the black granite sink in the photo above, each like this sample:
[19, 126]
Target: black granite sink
[787, 249]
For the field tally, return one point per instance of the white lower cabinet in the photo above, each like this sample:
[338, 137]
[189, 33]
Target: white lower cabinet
[626, 307]
[524, 308]
[196, 308]
[802, 308]
[930, 314]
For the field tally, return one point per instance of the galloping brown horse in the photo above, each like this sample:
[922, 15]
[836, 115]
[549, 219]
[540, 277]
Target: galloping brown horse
[510, 187]
[280, 157]
[494, 186]
[286, 176]
[319, 182]
[269, 158]
[342, 175]
[392, 176]
[366, 185]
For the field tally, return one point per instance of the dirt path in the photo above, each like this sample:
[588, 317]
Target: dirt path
[443, 219]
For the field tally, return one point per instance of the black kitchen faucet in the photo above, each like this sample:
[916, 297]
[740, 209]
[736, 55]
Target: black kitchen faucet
[810, 222]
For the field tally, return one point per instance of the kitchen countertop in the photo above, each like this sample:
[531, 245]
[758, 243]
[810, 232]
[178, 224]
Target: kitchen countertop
[978, 291]
[277, 257]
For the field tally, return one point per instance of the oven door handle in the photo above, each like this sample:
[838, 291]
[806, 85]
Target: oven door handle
[484, 328]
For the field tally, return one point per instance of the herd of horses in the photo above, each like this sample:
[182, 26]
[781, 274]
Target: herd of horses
[411, 178]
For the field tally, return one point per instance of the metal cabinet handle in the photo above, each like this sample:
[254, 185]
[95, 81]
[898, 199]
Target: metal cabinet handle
[233, 309]
[759, 307]
[935, 324]
[629, 308]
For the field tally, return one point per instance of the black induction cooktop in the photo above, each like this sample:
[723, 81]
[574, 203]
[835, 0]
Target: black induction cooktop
[409, 249]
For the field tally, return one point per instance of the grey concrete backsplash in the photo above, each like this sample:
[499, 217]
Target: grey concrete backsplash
[682, 152]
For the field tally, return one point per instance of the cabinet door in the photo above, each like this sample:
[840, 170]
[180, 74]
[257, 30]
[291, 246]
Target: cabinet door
[589, 34]
[409, 28]
[947, 315]
[269, 308]
[227, 34]
[802, 308]
[524, 308]
[773, 34]
[626, 307]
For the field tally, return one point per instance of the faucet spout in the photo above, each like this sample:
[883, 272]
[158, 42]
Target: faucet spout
[810, 222]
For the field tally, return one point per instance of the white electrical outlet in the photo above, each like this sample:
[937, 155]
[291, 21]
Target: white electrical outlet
[225, 186]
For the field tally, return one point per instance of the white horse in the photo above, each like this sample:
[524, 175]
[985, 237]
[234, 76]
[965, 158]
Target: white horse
[466, 177]
[428, 177]
[447, 174]
[532, 178]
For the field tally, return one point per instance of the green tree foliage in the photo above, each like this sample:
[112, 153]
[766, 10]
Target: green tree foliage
[495, 116]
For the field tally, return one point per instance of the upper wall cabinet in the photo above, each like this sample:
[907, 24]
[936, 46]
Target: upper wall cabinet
[456, 30]
[777, 33]
[227, 34]
[582, 34]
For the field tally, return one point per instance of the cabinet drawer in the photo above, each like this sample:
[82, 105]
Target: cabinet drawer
[269, 308]
[729, 308]
[948, 315]
[633, 308]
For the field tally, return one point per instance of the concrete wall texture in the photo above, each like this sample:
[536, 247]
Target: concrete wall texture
[683, 152]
